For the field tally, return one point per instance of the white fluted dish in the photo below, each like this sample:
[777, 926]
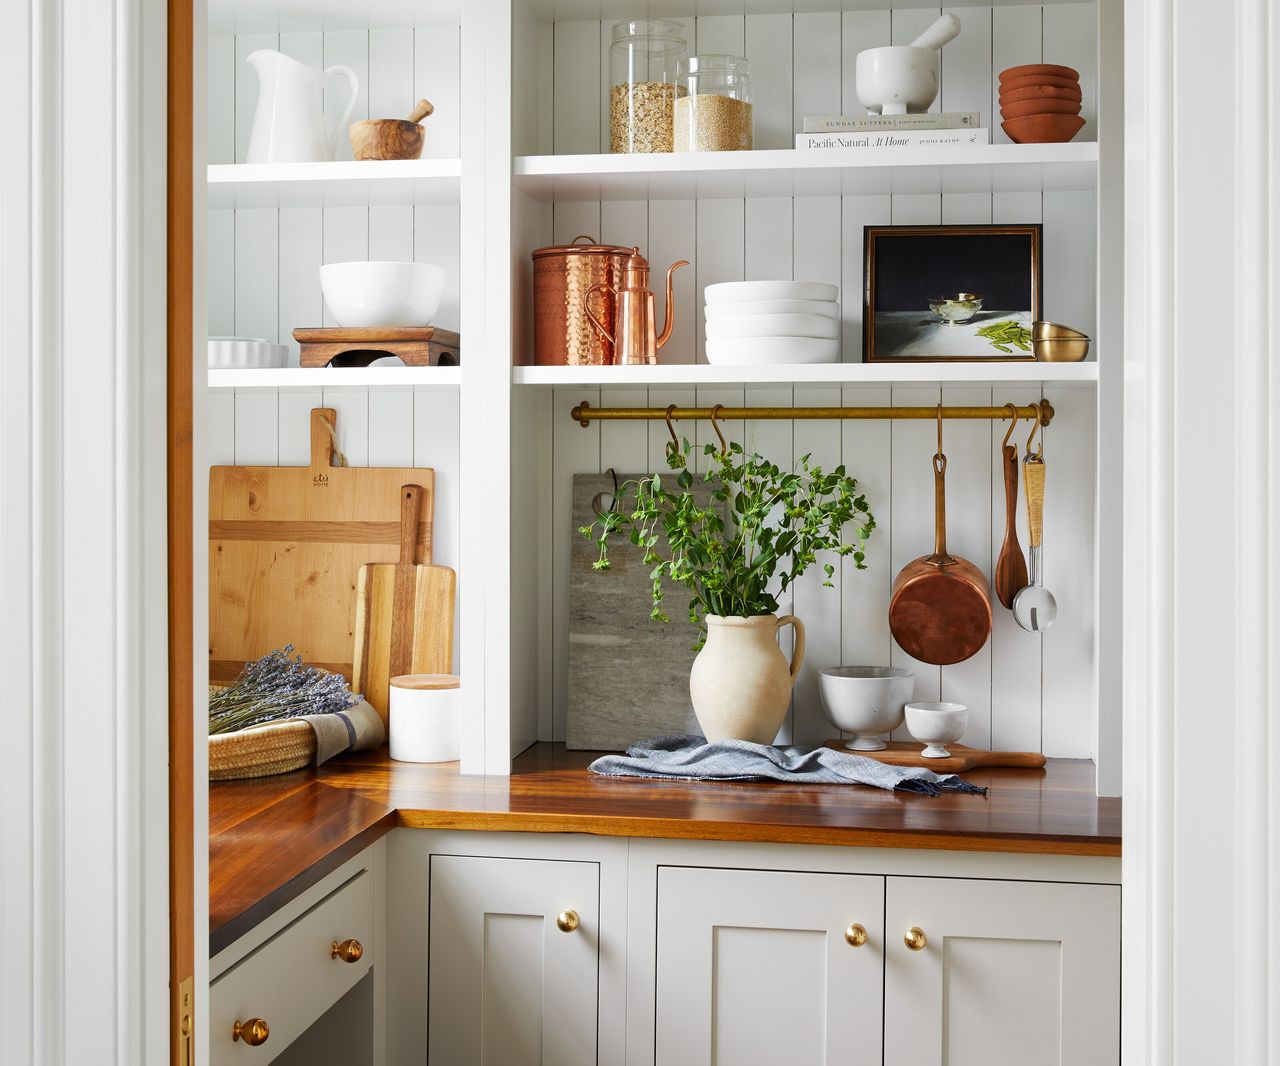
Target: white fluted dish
[246, 353]
[771, 351]
[774, 326]
[829, 308]
[730, 292]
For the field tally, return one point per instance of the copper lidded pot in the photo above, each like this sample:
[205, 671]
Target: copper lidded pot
[563, 275]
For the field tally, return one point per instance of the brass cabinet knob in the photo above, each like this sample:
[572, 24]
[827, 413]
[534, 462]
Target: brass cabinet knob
[856, 935]
[915, 939]
[253, 1032]
[567, 921]
[347, 951]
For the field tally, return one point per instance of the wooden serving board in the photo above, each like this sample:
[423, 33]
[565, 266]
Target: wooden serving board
[404, 615]
[907, 753]
[286, 544]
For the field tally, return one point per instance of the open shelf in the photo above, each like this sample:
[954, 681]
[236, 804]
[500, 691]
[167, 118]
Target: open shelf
[391, 377]
[390, 182]
[1029, 373]
[290, 16]
[792, 172]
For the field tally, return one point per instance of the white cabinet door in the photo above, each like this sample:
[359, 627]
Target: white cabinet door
[754, 967]
[1010, 974]
[506, 986]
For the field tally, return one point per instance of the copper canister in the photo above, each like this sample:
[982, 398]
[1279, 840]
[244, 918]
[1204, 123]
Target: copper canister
[563, 275]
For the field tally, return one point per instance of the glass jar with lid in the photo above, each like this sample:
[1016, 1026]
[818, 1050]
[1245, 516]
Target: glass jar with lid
[712, 110]
[643, 58]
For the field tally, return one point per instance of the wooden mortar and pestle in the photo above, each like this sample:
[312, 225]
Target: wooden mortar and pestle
[391, 138]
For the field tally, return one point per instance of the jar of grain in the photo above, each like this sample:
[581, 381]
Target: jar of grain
[643, 58]
[712, 110]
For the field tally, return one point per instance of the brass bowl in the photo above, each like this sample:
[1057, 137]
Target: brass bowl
[1052, 343]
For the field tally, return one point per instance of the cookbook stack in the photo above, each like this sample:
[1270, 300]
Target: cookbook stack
[756, 323]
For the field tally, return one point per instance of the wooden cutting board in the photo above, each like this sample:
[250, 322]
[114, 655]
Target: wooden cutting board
[286, 544]
[907, 753]
[404, 614]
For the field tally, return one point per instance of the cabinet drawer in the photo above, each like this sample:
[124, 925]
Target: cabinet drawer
[291, 980]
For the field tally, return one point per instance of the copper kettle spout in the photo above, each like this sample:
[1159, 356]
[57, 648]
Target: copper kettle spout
[670, 322]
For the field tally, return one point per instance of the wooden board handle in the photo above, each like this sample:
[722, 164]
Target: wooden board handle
[324, 429]
[1010, 486]
[410, 509]
[1035, 499]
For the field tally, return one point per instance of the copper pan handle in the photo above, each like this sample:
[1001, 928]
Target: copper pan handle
[940, 506]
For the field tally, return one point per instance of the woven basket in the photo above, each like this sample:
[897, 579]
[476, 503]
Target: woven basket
[274, 748]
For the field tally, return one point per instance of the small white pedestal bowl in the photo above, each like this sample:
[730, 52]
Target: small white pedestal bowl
[935, 725]
[865, 701]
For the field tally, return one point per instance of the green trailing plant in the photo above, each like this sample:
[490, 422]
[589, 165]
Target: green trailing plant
[762, 522]
[275, 688]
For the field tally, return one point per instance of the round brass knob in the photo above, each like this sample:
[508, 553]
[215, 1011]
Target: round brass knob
[347, 951]
[915, 939]
[253, 1032]
[567, 921]
[856, 935]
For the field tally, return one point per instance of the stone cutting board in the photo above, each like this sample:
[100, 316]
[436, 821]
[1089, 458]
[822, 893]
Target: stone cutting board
[628, 675]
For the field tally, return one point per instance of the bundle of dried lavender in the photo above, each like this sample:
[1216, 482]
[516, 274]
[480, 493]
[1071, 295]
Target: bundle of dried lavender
[274, 688]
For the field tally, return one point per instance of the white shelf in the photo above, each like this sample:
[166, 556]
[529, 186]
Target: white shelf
[390, 182]
[296, 16]
[564, 10]
[388, 377]
[1028, 373]
[791, 172]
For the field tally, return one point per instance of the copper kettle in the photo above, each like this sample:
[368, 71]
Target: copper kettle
[635, 337]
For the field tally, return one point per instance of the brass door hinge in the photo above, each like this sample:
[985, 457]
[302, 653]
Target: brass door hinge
[186, 1022]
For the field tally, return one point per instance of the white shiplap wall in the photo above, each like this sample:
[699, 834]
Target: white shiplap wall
[1025, 692]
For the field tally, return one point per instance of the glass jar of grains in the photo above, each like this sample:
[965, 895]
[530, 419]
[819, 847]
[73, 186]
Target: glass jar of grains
[713, 105]
[642, 83]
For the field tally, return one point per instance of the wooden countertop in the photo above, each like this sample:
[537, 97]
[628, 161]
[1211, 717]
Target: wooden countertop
[269, 839]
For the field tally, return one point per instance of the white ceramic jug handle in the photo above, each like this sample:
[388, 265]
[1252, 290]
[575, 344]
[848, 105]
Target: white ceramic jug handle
[797, 655]
[353, 83]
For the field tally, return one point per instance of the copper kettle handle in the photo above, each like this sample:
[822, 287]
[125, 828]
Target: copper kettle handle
[586, 306]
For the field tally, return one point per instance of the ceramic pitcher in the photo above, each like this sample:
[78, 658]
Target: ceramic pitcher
[740, 683]
[288, 125]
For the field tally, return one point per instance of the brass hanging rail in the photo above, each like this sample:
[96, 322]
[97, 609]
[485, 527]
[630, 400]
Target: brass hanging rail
[584, 414]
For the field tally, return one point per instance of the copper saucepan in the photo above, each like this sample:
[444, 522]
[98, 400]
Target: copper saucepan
[940, 607]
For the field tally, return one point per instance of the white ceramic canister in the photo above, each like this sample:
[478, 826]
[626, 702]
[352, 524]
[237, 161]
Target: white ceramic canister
[424, 717]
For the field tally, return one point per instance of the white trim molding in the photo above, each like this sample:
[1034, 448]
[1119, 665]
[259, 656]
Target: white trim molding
[84, 879]
[1201, 744]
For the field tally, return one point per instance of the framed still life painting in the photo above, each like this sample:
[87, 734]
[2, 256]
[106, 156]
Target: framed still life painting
[950, 293]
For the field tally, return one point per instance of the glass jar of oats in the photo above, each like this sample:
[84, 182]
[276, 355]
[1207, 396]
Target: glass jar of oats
[642, 83]
[712, 110]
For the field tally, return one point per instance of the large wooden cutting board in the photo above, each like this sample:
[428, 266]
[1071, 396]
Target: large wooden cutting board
[286, 544]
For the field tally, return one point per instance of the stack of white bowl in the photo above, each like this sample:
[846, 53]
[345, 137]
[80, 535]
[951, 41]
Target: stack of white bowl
[755, 323]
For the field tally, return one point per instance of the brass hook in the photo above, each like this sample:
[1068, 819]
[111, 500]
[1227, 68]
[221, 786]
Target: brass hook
[939, 451]
[1013, 422]
[1035, 428]
[724, 447]
[670, 428]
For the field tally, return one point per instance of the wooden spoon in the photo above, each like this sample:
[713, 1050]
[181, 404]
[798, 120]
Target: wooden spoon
[1011, 566]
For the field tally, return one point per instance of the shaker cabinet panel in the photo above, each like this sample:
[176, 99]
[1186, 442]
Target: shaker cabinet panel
[1001, 973]
[509, 984]
[755, 966]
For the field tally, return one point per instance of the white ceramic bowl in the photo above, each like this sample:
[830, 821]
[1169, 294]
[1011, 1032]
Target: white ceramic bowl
[768, 351]
[736, 292]
[936, 724]
[866, 701]
[363, 295]
[715, 312]
[246, 353]
[896, 79]
[774, 326]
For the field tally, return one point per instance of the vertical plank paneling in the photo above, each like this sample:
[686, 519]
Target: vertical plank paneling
[966, 64]
[576, 219]
[624, 446]
[256, 250]
[703, 432]
[859, 30]
[672, 226]
[220, 101]
[721, 226]
[1070, 38]
[768, 238]
[220, 427]
[246, 86]
[257, 433]
[575, 451]
[220, 277]
[1015, 40]
[1068, 674]
[818, 77]
[352, 407]
[626, 222]
[391, 426]
[967, 446]
[435, 240]
[857, 212]
[437, 443]
[907, 25]
[295, 409]
[576, 124]
[345, 238]
[721, 33]
[1015, 654]
[769, 50]
[301, 253]
[391, 74]
[659, 438]
[351, 49]
[437, 60]
[1070, 252]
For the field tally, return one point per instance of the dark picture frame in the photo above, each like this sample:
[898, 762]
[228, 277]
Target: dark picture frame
[905, 267]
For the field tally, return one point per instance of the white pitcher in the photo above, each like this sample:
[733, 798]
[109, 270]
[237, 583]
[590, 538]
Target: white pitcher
[288, 126]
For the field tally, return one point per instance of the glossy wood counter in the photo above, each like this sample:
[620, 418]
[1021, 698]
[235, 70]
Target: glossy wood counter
[272, 838]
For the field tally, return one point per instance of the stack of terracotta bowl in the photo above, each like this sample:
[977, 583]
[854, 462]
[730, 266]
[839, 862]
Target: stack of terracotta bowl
[1040, 103]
